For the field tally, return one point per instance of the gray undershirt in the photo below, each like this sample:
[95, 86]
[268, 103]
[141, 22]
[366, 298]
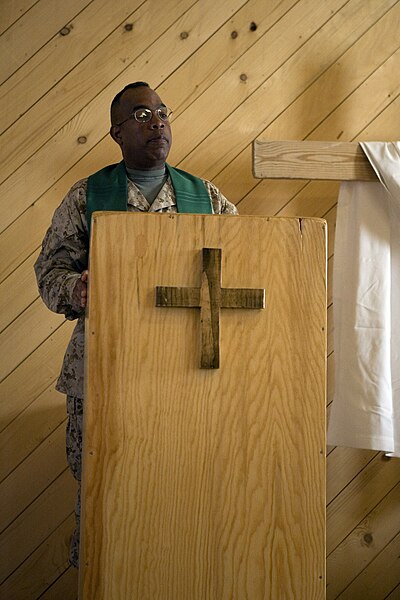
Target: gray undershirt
[148, 182]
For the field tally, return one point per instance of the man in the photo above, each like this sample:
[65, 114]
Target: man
[142, 182]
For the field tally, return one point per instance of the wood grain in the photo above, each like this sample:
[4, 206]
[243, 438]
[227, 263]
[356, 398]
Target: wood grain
[379, 577]
[321, 120]
[20, 387]
[88, 115]
[311, 160]
[15, 345]
[69, 48]
[11, 11]
[362, 495]
[250, 112]
[344, 465]
[241, 99]
[49, 17]
[17, 292]
[329, 73]
[364, 544]
[223, 469]
[197, 74]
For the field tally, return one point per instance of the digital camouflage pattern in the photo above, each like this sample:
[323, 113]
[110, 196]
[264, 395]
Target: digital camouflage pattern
[74, 436]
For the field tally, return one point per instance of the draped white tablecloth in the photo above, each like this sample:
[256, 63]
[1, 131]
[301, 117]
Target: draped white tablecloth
[365, 412]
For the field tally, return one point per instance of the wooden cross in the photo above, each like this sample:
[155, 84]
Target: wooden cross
[210, 297]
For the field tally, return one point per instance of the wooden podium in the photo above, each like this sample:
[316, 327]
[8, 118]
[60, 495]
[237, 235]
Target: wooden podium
[204, 483]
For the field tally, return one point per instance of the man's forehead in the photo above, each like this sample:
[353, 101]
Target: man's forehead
[141, 96]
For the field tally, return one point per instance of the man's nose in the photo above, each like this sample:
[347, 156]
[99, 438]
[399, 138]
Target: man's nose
[156, 122]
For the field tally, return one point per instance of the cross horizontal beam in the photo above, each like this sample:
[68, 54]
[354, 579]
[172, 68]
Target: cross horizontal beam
[210, 297]
[180, 297]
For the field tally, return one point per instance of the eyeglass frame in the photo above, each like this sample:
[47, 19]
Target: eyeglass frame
[153, 112]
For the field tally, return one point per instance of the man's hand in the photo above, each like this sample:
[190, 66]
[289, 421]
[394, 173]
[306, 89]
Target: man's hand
[79, 295]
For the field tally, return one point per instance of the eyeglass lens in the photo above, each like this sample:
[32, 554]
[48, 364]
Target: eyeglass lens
[142, 115]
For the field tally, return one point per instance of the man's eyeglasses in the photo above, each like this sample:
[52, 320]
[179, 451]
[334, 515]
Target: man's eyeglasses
[144, 115]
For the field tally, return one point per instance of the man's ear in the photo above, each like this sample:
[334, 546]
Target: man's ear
[115, 132]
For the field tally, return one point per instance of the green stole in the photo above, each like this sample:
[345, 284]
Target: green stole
[108, 190]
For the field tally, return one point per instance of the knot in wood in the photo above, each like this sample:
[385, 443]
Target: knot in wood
[128, 26]
[253, 26]
[243, 77]
[234, 35]
[82, 139]
[368, 538]
[65, 30]
[184, 35]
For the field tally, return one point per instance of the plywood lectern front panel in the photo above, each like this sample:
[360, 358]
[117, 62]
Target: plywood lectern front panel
[204, 484]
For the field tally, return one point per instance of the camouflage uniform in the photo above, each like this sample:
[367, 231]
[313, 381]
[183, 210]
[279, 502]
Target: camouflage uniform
[63, 257]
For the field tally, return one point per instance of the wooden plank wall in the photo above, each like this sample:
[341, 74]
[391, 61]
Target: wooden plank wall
[233, 71]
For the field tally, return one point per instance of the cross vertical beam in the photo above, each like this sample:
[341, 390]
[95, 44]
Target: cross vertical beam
[210, 297]
[210, 303]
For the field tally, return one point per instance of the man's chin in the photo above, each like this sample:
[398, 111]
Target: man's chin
[152, 158]
[159, 154]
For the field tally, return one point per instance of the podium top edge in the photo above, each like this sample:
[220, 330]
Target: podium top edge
[111, 213]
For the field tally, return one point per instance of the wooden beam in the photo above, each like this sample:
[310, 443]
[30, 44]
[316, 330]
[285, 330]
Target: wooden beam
[311, 160]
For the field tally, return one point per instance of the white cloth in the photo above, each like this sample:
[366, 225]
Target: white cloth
[365, 412]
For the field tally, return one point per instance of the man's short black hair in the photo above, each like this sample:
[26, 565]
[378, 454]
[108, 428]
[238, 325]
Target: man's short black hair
[117, 98]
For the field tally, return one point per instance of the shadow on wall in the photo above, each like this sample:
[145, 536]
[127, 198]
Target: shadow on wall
[38, 498]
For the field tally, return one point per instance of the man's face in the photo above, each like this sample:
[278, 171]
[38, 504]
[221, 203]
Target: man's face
[143, 145]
